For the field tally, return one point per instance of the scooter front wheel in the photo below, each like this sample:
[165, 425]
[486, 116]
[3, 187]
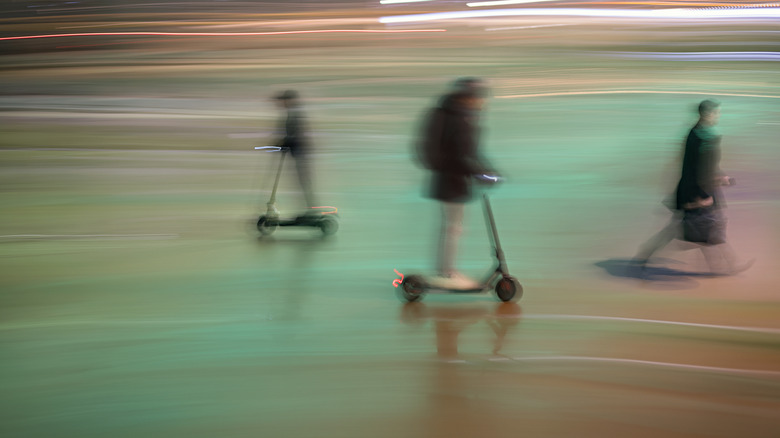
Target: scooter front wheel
[508, 288]
[264, 226]
[413, 288]
[328, 225]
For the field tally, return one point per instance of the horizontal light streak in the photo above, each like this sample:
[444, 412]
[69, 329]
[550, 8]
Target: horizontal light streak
[222, 34]
[395, 2]
[775, 331]
[683, 366]
[504, 3]
[676, 13]
[578, 93]
[525, 27]
[700, 56]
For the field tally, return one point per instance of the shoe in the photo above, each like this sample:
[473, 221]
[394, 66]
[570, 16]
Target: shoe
[456, 280]
[736, 269]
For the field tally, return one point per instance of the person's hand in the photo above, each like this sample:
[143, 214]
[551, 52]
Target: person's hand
[726, 181]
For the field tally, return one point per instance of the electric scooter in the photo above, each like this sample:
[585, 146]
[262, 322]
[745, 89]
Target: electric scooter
[506, 287]
[324, 218]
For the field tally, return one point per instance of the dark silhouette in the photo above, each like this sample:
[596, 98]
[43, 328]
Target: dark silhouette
[449, 149]
[698, 202]
[296, 140]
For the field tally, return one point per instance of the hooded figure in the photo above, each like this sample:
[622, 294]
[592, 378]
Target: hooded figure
[449, 149]
[450, 141]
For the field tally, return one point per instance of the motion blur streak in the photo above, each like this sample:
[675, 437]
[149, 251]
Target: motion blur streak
[395, 2]
[524, 27]
[675, 13]
[653, 321]
[504, 2]
[220, 34]
[701, 56]
[768, 373]
[576, 93]
[641, 3]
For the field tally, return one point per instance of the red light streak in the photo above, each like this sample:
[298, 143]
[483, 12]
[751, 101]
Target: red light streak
[397, 282]
[334, 210]
[222, 34]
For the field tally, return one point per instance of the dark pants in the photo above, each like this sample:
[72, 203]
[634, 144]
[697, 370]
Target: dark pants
[303, 169]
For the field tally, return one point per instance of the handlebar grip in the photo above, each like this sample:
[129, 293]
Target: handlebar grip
[488, 179]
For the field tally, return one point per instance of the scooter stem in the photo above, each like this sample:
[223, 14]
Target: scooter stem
[272, 202]
[494, 234]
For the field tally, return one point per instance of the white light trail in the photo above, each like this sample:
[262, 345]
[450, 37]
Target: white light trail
[222, 34]
[491, 29]
[665, 14]
[683, 366]
[504, 3]
[700, 56]
[394, 2]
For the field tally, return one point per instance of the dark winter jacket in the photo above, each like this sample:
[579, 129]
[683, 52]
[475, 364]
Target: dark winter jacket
[449, 149]
[295, 135]
[700, 167]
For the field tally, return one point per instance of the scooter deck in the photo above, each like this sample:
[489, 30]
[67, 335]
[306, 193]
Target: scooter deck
[432, 285]
[303, 220]
[445, 290]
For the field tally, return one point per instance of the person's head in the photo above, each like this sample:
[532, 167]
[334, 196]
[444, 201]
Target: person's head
[709, 112]
[470, 92]
[287, 98]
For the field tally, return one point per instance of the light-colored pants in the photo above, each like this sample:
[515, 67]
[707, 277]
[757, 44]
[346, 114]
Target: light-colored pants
[451, 230]
[672, 230]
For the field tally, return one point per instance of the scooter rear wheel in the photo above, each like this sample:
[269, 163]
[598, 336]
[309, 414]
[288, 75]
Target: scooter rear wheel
[264, 227]
[413, 288]
[508, 288]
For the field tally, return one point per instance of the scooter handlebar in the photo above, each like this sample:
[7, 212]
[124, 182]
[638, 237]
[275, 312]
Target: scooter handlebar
[488, 178]
[272, 148]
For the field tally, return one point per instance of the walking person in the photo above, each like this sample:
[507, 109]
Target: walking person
[698, 202]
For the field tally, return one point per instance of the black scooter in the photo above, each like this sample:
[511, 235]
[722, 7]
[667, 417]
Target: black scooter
[414, 287]
[323, 218]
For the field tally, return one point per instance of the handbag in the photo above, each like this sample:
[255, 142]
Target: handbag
[704, 225]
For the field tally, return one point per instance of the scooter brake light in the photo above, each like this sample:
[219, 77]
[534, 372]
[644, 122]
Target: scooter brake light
[397, 282]
[334, 210]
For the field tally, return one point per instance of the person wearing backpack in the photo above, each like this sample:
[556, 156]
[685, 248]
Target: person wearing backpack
[449, 150]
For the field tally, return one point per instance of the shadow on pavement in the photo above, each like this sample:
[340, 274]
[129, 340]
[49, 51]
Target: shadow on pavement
[664, 276]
